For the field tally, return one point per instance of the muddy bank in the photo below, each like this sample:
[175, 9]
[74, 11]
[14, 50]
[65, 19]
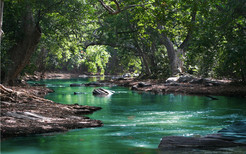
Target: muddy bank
[222, 88]
[24, 112]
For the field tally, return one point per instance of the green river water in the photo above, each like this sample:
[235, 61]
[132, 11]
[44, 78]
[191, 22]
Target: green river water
[133, 123]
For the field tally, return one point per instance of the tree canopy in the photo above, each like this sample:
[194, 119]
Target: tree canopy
[154, 38]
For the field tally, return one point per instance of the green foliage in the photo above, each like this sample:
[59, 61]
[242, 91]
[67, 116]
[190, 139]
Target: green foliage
[96, 58]
[218, 48]
[130, 41]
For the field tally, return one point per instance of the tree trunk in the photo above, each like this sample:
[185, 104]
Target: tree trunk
[21, 53]
[1, 19]
[144, 59]
[174, 56]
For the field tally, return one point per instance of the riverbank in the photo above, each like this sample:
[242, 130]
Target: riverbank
[217, 88]
[187, 84]
[24, 112]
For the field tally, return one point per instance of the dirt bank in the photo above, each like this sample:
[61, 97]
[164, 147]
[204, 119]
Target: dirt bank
[24, 112]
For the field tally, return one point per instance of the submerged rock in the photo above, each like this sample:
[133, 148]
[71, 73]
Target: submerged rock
[77, 93]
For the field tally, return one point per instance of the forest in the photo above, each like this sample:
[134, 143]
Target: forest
[155, 39]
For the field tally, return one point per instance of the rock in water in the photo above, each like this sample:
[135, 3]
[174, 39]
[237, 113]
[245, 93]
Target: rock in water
[231, 136]
[102, 92]
[174, 142]
[235, 132]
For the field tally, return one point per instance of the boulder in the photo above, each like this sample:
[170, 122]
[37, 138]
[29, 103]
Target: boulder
[185, 78]
[174, 142]
[102, 92]
[235, 132]
[197, 81]
[95, 84]
[142, 84]
[234, 135]
[172, 79]
[135, 87]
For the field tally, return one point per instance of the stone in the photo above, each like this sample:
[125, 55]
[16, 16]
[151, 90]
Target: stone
[185, 78]
[233, 135]
[172, 79]
[235, 132]
[102, 92]
[135, 87]
[142, 84]
[197, 81]
[77, 93]
[96, 84]
[175, 142]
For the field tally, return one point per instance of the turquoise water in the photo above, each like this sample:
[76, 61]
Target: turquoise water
[133, 123]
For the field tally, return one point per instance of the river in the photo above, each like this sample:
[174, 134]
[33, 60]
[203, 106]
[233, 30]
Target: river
[133, 122]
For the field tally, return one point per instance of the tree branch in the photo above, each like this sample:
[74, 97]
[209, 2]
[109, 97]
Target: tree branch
[113, 12]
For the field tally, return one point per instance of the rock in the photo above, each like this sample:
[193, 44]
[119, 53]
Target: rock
[99, 84]
[102, 92]
[135, 74]
[208, 84]
[234, 135]
[135, 87]
[172, 84]
[197, 81]
[175, 142]
[142, 84]
[127, 75]
[121, 78]
[235, 132]
[172, 79]
[76, 85]
[185, 78]
[96, 84]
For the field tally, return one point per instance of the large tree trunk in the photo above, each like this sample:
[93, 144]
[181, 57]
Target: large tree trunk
[1, 19]
[174, 56]
[21, 53]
